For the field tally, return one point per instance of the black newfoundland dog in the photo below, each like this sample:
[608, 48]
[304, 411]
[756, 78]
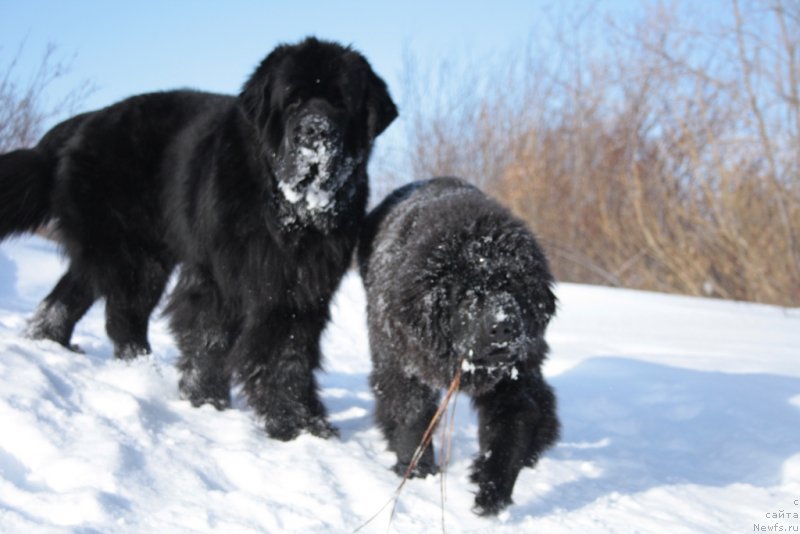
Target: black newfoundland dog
[258, 197]
[454, 282]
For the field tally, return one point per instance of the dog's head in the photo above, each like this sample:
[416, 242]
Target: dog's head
[317, 108]
[496, 334]
[482, 297]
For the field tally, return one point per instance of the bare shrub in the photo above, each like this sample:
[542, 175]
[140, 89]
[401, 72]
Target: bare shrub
[25, 109]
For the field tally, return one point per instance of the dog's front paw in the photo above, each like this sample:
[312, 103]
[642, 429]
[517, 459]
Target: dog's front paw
[288, 428]
[493, 495]
[320, 427]
[131, 351]
[421, 470]
[489, 501]
[200, 390]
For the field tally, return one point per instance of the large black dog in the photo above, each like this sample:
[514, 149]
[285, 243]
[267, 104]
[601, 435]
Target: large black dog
[259, 197]
[455, 282]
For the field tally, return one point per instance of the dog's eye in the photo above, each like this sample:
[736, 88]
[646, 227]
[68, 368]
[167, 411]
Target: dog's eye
[336, 100]
[294, 99]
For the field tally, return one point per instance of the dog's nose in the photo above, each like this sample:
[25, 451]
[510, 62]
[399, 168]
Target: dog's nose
[499, 327]
[503, 330]
[313, 127]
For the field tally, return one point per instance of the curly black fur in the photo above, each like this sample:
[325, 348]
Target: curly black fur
[258, 197]
[452, 277]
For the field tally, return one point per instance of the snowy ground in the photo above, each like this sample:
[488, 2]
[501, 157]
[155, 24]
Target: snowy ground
[679, 415]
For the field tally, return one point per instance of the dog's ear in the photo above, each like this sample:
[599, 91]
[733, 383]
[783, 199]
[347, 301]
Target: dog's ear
[381, 110]
[256, 96]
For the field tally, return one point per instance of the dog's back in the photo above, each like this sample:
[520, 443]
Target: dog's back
[396, 206]
[102, 178]
[114, 170]
[118, 150]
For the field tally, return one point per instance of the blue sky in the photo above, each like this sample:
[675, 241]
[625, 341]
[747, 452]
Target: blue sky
[125, 48]
[131, 47]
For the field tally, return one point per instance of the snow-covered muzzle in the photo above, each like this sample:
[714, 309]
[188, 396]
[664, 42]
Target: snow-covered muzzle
[489, 339]
[315, 169]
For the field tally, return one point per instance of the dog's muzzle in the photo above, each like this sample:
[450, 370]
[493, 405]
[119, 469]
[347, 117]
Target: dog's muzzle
[316, 167]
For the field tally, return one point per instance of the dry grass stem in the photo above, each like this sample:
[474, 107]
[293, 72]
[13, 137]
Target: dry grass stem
[425, 442]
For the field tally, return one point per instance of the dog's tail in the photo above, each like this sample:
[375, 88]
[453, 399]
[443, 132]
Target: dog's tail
[26, 178]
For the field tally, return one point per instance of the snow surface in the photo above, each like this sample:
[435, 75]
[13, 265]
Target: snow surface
[679, 415]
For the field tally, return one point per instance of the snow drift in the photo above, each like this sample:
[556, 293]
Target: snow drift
[679, 414]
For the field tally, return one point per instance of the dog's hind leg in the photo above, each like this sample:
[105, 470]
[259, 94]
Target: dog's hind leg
[131, 295]
[58, 313]
[204, 337]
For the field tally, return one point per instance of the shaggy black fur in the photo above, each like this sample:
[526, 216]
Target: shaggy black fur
[259, 198]
[451, 275]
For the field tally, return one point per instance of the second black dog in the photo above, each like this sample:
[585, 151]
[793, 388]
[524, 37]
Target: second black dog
[455, 283]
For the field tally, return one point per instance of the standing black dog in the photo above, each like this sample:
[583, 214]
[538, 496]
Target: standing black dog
[454, 281]
[259, 197]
